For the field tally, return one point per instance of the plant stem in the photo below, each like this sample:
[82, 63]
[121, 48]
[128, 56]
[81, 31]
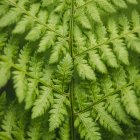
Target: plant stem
[72, 80]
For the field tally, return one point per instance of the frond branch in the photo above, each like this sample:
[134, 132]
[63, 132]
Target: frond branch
[40, 81]
[103, 98]
[34, 17]
[107, 42]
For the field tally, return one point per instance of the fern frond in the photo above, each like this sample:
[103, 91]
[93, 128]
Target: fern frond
[34, 132]
[19, 77]
[134, 76]
[120, 3]
[116, 109]
[96, 8]
[6, 63]
[10, 18]
[87, 127]
[64, 70]
[105, 5]
[58, 50]
[36, 32]
[65, 131]
[33, 91]
[129, 101]
[58, 111]
[47, 41]
[76, 66]
[43, 102]
[106, 120]
[96, 62]
[9, 123]
[108, 56]
[83, 20]
[84, 70]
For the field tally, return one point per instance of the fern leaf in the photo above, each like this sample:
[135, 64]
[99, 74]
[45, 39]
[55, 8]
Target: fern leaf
[84, 70]
[105, 5]
[45, 98]
[34, 131]
[6, 62]
[121, 51]
[5, 73]
[47, 41]
[58, 49]
[134, 76]
[96, 62]
[10, 18]
[93, 12]
[123, 21]
[120, 3]
[83, 20]
[34, 8]
[87, 127]
[43, 102]
[106, 120]
[119, 76]
[35, 33]
[33, 91]
[133, 42]
[58, 111]
[64, 69]
[65, 131]
[108, 56]
[129, 101]
[19, 77]
[8, 123]
[135, 19]
[112, 28]
[115, 108]
[22, 25]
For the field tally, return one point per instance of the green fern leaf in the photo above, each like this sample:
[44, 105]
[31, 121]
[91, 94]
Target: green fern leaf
[120, 3]
[121, 51]
[34, 131]
[96, 62]
[108, 56]
[6, 63]
[105, 5]
[93, 12]
[47, 41]
[33, 91]
[10, 18]
[106, 120]
[43, 102]
[65, 131]
[19, 77]
[58, 111]
[87, 127]
[129, 101]
[84, 70]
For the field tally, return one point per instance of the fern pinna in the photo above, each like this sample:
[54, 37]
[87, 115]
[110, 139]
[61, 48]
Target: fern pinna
[69, 70]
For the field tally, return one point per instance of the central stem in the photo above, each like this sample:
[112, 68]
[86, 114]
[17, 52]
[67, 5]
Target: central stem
[72, 80]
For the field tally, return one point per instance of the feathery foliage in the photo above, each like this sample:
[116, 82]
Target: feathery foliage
[69, 69]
